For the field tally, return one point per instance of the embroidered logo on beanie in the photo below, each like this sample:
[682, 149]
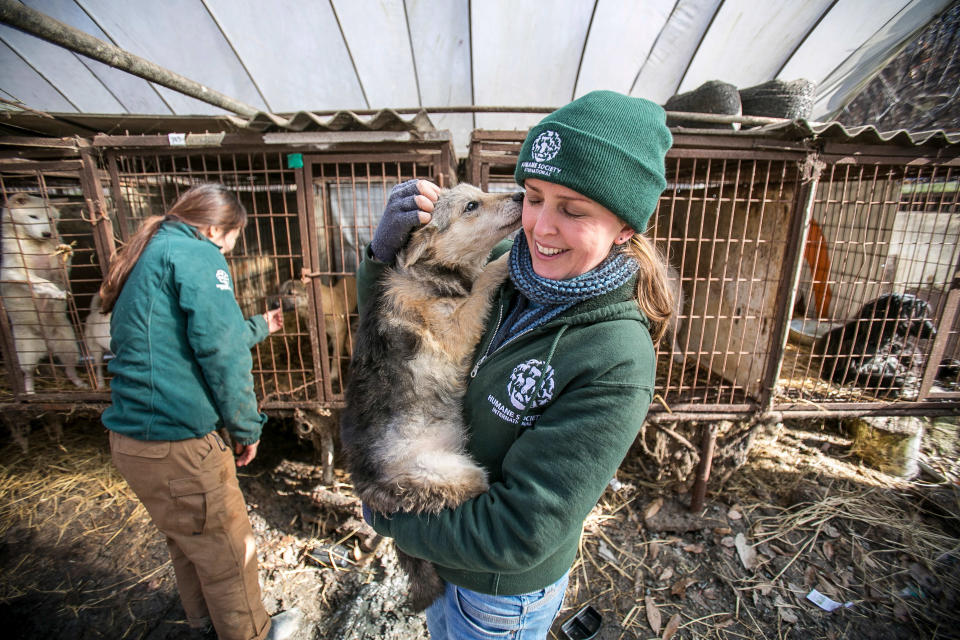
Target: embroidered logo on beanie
[544, 149]
[546, 146]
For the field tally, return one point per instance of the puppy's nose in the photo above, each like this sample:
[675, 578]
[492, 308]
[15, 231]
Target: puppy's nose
[47, 234]
[518, 196]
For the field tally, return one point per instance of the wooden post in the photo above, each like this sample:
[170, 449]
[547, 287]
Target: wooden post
[790, 275]
[699, 492]
[96, 205]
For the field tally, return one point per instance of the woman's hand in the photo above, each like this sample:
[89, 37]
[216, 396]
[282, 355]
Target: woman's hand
[274, 319]
[247, 453]
[409, 205]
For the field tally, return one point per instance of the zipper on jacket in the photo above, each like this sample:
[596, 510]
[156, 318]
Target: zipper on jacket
[482, 359]
[473, 372]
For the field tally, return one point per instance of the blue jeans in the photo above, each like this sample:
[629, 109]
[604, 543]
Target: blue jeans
[462, 614]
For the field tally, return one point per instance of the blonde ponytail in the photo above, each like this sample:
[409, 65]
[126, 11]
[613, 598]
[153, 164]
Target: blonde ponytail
[654, 293]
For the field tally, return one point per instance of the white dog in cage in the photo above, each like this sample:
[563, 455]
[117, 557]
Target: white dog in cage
[34, 289]
[96, 338]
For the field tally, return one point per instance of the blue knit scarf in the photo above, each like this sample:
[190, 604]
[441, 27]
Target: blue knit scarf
[543, 299]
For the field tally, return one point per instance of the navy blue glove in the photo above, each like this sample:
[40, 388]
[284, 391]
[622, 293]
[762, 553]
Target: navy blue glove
[400, 217]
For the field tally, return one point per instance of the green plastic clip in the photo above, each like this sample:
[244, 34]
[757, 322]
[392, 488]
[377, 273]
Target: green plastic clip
[294, 161]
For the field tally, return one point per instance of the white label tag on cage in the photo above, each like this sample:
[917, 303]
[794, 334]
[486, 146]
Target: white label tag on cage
[177, 139]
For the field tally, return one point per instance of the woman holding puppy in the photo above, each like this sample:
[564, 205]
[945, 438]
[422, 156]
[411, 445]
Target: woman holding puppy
[182, 369]
[563, 377]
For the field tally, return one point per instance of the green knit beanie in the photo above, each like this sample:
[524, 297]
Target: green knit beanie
[606, 146]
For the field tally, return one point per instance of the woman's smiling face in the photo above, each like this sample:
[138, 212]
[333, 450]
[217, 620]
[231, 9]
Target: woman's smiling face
[568, 234]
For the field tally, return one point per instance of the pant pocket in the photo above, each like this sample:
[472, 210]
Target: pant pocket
[486, 615]
[192, 501]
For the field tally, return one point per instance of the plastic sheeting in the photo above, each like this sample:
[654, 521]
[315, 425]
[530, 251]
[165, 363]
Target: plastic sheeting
[283, 56]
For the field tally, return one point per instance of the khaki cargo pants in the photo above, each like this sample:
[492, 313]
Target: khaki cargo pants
[190, 489]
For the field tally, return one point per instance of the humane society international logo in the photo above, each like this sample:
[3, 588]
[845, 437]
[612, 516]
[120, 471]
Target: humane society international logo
[525, 381]
[545, 148]
[223, 280]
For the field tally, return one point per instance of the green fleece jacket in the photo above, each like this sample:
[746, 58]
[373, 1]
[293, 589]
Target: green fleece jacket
[551, 417]
[182, 364]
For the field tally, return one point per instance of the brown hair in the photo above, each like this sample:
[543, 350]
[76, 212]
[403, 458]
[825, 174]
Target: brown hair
[201, 206]
[654, 293]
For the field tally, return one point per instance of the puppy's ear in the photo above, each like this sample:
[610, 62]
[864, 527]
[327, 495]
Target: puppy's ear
[417, 245]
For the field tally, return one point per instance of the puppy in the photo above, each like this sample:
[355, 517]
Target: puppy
[34, 289]
[870, 349]
[96, 338]
[338, 301]
[402, 432]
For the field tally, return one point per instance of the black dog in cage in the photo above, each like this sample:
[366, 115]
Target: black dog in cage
[873, 349]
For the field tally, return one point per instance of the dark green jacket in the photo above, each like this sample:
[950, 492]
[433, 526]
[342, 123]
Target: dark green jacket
[183, 364]
[551, 417]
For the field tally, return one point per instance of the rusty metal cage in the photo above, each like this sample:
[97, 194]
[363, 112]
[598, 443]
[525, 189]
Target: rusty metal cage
[311, 209]
[49, 271]
[772, 242]
[817, 277]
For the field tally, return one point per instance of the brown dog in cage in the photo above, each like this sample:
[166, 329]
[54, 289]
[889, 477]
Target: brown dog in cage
[33, 268]
[337, 302]
[402, 432]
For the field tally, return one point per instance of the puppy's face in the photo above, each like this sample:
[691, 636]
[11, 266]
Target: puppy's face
[467, 223]
[293, 296]
[31, 216]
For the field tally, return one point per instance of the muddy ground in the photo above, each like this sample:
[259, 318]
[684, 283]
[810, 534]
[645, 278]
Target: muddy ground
[80, 559]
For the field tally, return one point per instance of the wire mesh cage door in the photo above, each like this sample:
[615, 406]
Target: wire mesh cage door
[268, 254]
[875, 313]
[345, 198]
[722, 226]
[50, 271]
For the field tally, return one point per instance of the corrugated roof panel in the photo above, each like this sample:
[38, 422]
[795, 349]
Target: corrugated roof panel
[297, 57]
[867, 134]
[134, 94]
[661, 73]
[526, 53]
[749, 41]
[621, 37]
[182, 37]
[440, 33]
[380, 46]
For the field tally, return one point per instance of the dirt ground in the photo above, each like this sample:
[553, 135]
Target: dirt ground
[80, 559]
